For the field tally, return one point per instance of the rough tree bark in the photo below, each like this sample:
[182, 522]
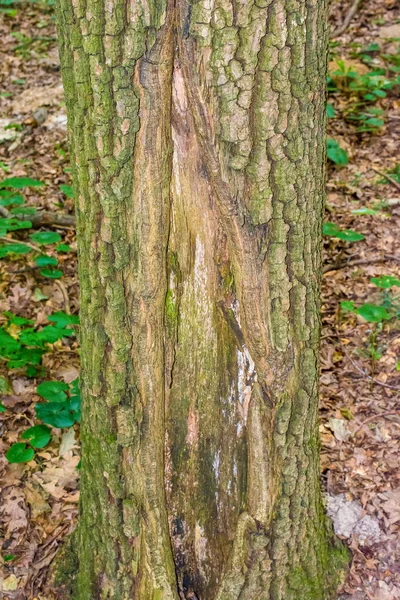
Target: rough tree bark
[197, 135]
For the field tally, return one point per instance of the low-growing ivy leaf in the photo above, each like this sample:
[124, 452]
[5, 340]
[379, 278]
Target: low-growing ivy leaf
[45, 237]
[8, 557]
[373, 47]
[335, 153]
[20, 182]
[374, 122]
[45, 261]
[19, 453]
[332, 230]
[11, 199]
[75, 387]
[31, 371]
[67, 190]
[365, 211]
[54, 391]
[373, 313]
[349, 235]
[24, 210]
[13, 224]
[56, 414]
[51, 273]
[61, 319]
[51, 334]
[385, 281]
[25, 356]
[330, 111]
[38, 436]
[63, 248]
[8, 344]
[17, 249]
[16, 320]
[347, 305]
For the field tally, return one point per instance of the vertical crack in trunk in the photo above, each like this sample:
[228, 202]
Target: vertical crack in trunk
[197, 139]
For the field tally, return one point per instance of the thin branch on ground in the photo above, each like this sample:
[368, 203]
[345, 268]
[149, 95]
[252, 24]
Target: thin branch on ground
[388, 177]
[7, 238]
[42, 217]
[64, 292]
[347, 20]
[382, 415]
[362, 372]
[358, 261]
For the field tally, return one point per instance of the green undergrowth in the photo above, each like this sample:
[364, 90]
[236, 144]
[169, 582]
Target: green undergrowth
[23, 343]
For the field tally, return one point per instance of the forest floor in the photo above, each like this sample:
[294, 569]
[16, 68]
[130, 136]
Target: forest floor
[360, 353]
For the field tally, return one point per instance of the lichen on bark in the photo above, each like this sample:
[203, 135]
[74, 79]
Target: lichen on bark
[197, 138]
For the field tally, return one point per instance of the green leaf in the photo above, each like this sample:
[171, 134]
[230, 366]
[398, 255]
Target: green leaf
[19, 453]
[67, 190]
[8, 557]
[61, 319]
[25, 356]
[52, 334]
[380, 93]
[31, 371]
[13, 224]
[44, 261]
[10, 199]
[24, 210]
[372, 48]
[2, 408]
[51, 273]
[38, 436]
[17, 249]
[17, 320]
[374, 122]
[58, 414]
[330, 111]
[20, 182]
[63, 248]
[335, 153]
[347, 305]
[385, 281]
[54, 391]
[348, 235]
[365, 211]
[373, 313]
[46, 237]
[8, 344]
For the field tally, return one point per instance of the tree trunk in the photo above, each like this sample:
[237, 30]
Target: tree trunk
[197, 134]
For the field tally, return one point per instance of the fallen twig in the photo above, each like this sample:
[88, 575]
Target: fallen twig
[14, 241]
[63, 290]
[43, 217]
[360, 370]
[347, 20]
[387, 413]
[388, 177]
[358, 261]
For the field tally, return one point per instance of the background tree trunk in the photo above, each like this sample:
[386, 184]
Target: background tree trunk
[197, 136]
